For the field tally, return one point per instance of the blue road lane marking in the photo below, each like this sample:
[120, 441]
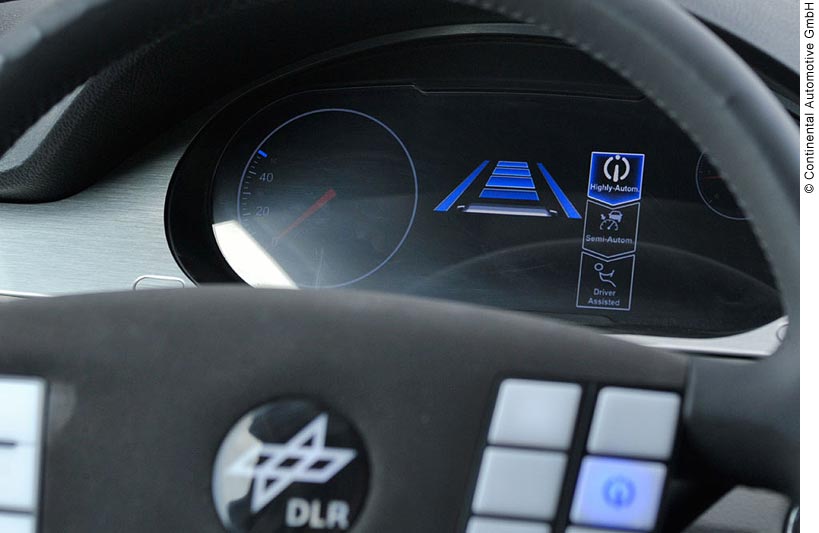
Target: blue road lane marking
[512, 164]
[512, 172]
[504, 194]
[450, 200]
[565, 203]
[512, 183]
[262, 153]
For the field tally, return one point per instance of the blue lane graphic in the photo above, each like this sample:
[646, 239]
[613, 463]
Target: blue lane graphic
[262, 153]
[509, 194]
[512, 164]
[512, 172]
[459, 190]
[511, 183]
[565, 203]
[510, 189]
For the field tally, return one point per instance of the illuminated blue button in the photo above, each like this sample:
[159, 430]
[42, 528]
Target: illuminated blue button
[618, 493]
[615, 178]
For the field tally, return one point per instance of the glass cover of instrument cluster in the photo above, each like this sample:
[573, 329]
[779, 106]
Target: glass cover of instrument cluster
[597, 210]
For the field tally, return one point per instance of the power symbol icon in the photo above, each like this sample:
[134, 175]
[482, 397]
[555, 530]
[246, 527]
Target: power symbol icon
[619, 492]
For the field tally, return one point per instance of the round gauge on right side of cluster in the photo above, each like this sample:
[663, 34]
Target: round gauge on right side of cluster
[714, 192]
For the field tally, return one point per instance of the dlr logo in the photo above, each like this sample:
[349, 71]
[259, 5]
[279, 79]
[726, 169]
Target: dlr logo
[302, 513]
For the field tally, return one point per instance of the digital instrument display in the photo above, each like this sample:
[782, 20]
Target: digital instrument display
[597, 210]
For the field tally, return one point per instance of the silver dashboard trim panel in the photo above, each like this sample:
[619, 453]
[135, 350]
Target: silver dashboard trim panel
[99, 240]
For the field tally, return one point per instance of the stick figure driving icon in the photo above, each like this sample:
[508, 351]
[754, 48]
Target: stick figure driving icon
[605, 277]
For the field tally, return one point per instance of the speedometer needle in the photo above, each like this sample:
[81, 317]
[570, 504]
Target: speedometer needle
[321, 202]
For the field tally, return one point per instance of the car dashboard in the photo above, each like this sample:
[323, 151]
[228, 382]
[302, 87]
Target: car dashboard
[485, 163]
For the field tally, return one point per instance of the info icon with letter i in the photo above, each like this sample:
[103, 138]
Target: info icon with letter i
[616, 178]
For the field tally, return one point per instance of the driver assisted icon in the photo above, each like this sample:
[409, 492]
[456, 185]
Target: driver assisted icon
[605, 284]
[290, 466]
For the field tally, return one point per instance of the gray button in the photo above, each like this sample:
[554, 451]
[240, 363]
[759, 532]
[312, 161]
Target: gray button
[19, 477]
[539, 414]
[16, 523]
[618, 493]
[636, 423]
[495, 525]
[519, 483]
[21, 409]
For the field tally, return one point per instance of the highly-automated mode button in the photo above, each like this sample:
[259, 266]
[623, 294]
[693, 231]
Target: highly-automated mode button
[605, 284]
[618, 493]
[616, 178]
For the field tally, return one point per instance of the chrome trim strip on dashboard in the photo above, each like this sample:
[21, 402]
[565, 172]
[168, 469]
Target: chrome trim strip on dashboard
[17, 294]
[760, 342]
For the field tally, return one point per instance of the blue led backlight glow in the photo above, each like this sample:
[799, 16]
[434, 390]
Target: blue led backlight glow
[618, 493]
[511, 183]
[513, 164]
[509, 194]
[514, 172]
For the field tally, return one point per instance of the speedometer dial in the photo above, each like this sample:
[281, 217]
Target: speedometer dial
[329, 196]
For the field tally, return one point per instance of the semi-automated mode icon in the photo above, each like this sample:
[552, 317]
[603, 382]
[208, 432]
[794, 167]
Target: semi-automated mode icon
[611, 232]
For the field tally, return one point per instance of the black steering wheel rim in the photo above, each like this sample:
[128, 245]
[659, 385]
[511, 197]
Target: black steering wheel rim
[686, 70]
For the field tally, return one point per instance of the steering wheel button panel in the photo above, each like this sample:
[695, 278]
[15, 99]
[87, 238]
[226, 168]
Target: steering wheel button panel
[495, 525]
[21, 410]
[535, 414]
[634, 423]
[16, 523]
[519, 483]
[618, 493]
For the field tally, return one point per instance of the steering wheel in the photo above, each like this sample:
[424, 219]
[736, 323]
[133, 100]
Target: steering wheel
[142, 388]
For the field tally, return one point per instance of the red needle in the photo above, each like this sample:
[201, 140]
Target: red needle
[321, 202]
